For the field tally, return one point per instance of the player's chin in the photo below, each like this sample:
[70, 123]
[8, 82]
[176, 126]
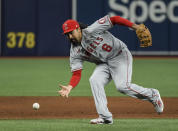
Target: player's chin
[75, 43]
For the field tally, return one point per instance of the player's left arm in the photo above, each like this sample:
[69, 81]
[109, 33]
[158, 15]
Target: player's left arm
[142, 31]
[122, 21]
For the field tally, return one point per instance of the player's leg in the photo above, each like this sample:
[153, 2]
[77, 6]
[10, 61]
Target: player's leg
[121, 71]
[98, 80]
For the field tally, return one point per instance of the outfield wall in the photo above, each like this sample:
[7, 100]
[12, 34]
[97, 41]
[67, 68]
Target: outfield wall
[33, 27]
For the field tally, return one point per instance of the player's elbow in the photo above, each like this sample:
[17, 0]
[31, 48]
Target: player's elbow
[89, 31]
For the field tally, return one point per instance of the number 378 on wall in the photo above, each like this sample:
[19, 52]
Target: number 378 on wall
[20, 40]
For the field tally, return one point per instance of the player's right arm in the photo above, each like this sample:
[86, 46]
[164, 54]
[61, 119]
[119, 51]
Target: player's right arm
[75, 79]
[76, 64]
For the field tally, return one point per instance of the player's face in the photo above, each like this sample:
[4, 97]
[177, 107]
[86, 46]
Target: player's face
[75, 36]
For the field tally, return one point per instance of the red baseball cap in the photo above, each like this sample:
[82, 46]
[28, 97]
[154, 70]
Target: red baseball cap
[69, 26]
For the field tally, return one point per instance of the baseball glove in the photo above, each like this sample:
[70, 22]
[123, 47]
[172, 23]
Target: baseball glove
[144, 36]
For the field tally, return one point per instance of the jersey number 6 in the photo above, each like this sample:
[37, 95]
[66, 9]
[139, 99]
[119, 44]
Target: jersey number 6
[106, 47]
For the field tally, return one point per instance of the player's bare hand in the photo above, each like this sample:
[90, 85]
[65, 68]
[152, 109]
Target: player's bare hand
[65, 90]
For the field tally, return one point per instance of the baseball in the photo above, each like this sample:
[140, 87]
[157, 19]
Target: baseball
[36, 106]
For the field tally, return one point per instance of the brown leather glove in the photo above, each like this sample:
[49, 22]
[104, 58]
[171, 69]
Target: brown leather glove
[144, 36]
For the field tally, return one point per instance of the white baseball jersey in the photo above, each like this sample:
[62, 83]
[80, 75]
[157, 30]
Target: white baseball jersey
[97, 45]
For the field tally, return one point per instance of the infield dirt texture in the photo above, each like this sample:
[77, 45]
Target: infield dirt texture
[20, 107]
[25, 81]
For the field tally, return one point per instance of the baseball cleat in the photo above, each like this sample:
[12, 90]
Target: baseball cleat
[100, 121]
[157, 101]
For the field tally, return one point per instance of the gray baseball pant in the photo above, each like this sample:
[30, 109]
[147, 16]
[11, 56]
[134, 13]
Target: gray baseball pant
[119, 69]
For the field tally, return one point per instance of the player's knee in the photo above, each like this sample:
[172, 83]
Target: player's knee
[95, 80]
[92, 79]
[123, 87]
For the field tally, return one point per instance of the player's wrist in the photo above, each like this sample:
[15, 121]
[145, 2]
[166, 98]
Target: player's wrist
[70, 87]
[135, 26]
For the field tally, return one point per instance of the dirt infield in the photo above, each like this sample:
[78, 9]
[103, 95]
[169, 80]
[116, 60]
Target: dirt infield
[81, 107]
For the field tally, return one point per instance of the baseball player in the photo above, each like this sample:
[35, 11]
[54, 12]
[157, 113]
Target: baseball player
[113, 60]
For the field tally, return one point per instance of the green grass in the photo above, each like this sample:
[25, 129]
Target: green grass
[83, 125]
[40, 77]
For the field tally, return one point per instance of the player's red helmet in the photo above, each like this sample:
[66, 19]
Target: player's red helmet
[69, 26]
